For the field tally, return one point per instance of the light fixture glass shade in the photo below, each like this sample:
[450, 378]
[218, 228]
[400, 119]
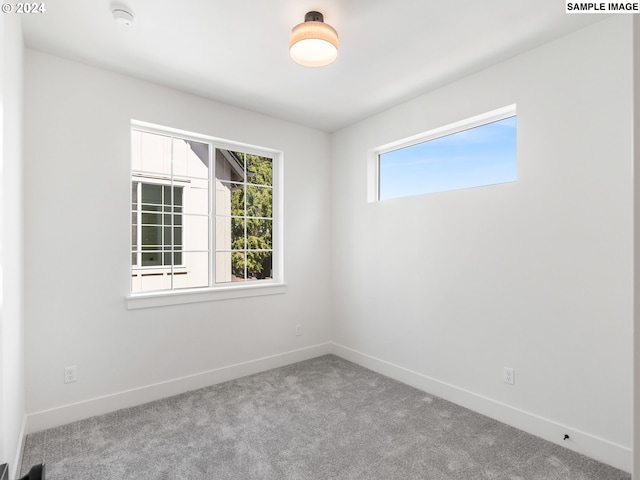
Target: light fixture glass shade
[313, 43]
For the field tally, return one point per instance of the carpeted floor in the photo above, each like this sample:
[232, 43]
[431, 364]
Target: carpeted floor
[324, 418]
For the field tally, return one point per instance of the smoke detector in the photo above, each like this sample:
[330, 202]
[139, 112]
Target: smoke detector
[122, 15]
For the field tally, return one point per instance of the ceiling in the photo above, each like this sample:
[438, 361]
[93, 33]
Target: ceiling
[236, 51]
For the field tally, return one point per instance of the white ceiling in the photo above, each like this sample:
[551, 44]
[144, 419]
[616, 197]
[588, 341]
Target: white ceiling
[236, 51]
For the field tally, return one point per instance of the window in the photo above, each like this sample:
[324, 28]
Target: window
[202, 213]
[476, 152]
[156, 224]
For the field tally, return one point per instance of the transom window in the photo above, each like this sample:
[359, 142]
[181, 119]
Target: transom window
[202, 213]
[474, 152]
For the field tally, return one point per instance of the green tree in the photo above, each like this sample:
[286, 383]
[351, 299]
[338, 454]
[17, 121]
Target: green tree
[252, 207]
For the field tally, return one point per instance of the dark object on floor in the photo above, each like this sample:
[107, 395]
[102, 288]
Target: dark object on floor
[4, 471]
[36, 473]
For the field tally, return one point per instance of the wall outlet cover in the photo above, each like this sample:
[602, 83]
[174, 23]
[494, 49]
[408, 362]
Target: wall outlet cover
[509, 376]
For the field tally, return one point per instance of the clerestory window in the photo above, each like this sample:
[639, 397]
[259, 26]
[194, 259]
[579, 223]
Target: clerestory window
[474, 152]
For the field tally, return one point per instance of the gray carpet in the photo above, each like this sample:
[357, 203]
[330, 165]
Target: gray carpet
[324, 418]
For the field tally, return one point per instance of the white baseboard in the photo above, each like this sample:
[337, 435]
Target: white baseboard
[581, 442]
[97, 406]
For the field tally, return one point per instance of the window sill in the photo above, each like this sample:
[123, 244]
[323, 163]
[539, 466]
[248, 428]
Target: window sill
[179, 297]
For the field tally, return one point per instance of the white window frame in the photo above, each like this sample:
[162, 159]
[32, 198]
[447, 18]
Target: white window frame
[214, 291]
[373, 163]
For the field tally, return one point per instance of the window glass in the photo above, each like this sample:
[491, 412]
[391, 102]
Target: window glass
[249, 202]
[482, 155]
[182, 192]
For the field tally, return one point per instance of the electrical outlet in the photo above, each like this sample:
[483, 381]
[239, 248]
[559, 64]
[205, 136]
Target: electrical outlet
[298, 328]
[509, 376]
[70, 374]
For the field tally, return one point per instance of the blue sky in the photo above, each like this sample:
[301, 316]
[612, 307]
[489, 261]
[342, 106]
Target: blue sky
[483, 155]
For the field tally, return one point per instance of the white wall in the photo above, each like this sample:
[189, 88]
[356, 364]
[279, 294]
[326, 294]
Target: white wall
[77, 236]
[444, 290]
[12, 402]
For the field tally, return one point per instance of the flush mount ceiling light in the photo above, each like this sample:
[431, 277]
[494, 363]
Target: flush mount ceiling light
[122, 15]
[313, 43]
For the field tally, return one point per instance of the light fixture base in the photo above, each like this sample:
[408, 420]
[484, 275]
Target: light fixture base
[314, 17]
